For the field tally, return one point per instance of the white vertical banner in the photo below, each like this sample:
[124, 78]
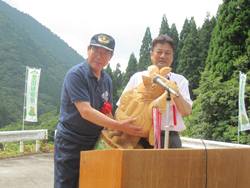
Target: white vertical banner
[32, 85]
[243, 119]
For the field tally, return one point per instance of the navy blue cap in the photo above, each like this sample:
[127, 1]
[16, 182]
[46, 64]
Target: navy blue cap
[104, 41]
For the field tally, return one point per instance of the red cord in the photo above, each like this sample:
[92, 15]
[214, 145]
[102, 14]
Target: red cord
[174, 115]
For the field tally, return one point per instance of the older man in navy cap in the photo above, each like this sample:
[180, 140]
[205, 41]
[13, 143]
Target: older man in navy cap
[85, 103]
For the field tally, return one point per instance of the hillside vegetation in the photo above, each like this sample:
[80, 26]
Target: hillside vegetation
[25, 42]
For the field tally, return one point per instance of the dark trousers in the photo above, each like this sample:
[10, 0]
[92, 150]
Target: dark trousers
[66, 162]
[174, 140]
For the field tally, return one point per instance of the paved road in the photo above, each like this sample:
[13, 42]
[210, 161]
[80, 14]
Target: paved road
[34, 171]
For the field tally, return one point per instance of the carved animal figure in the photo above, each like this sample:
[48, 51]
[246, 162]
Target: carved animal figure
[138, 103]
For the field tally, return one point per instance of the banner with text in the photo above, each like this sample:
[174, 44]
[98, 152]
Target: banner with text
[243, 119]
[32, 85]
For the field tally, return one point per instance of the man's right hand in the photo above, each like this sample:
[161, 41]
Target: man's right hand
[128, 126]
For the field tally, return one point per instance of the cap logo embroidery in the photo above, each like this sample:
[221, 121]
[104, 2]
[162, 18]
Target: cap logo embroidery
[103, 39]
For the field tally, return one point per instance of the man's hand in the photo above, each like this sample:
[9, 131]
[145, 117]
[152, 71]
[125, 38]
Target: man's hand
[128, 126]
[166, 84]
[94, 116]
[173, 85]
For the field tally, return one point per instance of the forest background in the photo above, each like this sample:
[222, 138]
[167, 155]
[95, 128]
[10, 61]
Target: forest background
[210, 57]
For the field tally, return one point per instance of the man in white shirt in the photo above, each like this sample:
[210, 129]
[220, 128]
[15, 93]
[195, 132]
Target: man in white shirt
[162, 56]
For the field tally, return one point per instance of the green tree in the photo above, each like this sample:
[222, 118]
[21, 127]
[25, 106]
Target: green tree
[164, 29]
[184, 32]
[204, 35]
[130, 70]
[117, 78]
[218, 89]
[144, 60]
[25, 42]
[109, 71]
[194, 51]
[229, 37]
[189, 56]
[173, 33]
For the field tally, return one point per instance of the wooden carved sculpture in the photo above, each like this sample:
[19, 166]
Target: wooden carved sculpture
[138, 103]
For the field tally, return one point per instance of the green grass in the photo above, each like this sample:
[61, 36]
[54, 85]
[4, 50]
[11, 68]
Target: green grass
[12, 149]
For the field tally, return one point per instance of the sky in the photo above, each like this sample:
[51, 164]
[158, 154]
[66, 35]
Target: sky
[76, 21]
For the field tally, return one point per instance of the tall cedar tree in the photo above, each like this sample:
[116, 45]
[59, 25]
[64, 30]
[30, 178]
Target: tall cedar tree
[130, 70]
[111, 74]
[204, 40]
[196, 56]
[164, 29]
[117, 84]
[183, 35]
[189, 60]
[144, 60]
[173, 33]
[215, 110]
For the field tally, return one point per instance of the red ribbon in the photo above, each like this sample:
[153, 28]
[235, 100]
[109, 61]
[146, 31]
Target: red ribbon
[174, 115]
[156, 118]
[106, 108]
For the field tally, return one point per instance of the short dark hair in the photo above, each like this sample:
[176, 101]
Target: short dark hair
[163, 39]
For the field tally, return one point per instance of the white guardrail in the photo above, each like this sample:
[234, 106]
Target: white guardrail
[42, 134]
[25, 135]
[208, 144]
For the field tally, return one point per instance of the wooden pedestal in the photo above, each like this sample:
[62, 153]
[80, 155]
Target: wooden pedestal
[173, 168]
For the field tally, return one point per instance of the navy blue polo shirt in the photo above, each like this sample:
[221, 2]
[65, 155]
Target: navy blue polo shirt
[80, 84]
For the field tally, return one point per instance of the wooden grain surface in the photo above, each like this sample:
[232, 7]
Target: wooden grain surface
[172, 168]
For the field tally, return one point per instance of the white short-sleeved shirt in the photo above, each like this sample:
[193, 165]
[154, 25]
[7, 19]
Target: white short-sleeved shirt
[182, 84]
